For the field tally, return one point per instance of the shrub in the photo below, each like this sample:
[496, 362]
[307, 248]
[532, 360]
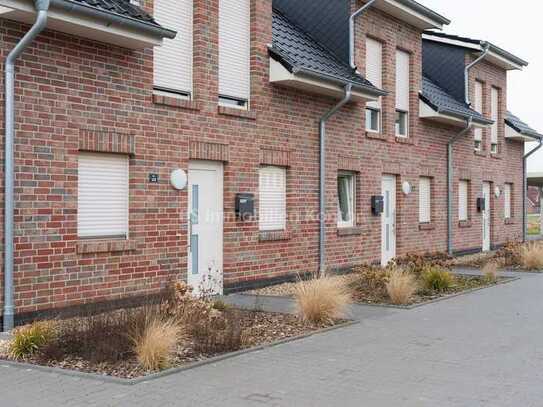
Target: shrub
[322, 300]
[29, 339]
[156, 343]
[437, 279]
[416, 263]
[219, 333]
[220, 305]
[372, 279]
[532, 256]
[490, 271]
[401, 286]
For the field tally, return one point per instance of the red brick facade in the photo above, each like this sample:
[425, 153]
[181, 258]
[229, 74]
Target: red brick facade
[77, 95]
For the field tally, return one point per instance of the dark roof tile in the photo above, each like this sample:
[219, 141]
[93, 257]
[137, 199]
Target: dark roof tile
[521, 127]
[120, 7]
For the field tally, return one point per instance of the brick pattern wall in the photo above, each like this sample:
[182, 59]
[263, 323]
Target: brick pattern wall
[74, 94]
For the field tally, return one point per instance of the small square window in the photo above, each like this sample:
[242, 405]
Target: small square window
[494, 148]
[346, 200]
[373, 117]
[478, 145]
[402, 123]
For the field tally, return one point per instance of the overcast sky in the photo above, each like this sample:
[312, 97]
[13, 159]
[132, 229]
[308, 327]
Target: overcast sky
[516, 27]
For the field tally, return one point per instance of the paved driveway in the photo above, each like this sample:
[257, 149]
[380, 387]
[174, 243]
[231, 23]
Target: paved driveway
[481, 349]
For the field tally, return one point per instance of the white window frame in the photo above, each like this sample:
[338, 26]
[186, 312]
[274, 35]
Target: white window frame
[272, 180]
[175, 78]
[463, 200]
[93, 192]
[425, 201]
[478, 107]
[403, 78]
[235, 53]
[374, 73]
[350, 178]
[508, 201]
[495, 112]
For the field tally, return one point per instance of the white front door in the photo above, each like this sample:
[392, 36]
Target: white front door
[486, 216]
[205, 257]
[388, 220]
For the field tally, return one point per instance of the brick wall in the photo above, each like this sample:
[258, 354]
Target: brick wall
[74, 94]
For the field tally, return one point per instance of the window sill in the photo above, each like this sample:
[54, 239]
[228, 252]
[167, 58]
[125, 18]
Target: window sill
[349, 231]
[376, 136]
[273, 236]
[426, 226]
[509, 221]
[479, 153]
[404, 140]
[495, 156]
[464, 224]
[234, 112]
[105, 246]
[175, 102]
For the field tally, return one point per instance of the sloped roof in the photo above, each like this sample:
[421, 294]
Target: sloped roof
[442, 102]
[122, 8]
[300, 53]
[518, 125]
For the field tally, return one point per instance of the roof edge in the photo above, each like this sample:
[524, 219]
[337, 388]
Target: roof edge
[425, 11]
[448, 112]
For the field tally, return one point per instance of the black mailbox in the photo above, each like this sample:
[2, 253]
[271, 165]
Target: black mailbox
[377, 205]
[245, 206]
[481, 204]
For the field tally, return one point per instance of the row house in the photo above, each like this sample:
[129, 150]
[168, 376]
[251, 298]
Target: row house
[236, 143]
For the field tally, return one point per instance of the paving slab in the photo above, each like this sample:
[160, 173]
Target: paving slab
[480, 349]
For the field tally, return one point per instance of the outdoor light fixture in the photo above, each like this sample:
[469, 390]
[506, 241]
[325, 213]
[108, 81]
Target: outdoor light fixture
[179, 179]
[407, 188]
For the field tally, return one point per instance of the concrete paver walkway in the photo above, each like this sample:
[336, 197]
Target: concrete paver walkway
[479, 349]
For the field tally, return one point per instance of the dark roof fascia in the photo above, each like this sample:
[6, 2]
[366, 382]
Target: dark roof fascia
[112, 17]
[425, 11]
[481, 44]
[453, 114]
[292, 68]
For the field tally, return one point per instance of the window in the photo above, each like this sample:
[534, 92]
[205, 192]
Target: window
[374, 73]
[495, 116]
[463, 199]
[102, 203]
[234, 53]
[402, 93]
[272, 198]
[346, 200]
[508, 204]
[478, 106]
[173, 60]
[425, 203]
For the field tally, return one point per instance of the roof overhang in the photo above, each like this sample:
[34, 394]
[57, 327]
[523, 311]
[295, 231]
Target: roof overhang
[84, 21]
[496, 55]
[413, 13]
[447, 117]
[514, 134]
[308, 81]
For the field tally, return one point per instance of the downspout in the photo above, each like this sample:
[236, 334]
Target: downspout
[525, 194]
[351, 30]
[466, 72]
[42, 7]
[450, 182]
[322, 187]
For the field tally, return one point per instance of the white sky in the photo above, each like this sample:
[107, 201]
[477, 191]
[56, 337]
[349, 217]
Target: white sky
[515, 27]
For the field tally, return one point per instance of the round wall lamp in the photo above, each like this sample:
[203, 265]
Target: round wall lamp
[406, 188]
[497, 192]
[178, 179]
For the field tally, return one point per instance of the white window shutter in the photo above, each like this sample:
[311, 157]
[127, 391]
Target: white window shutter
[103, 193]
[235, 48]
[402, 80]
[374, 67]
[463, 191]
[425, 196]
[272, 198]
[173, 60]
[478, 106]
[507, 198]
[495, 115]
